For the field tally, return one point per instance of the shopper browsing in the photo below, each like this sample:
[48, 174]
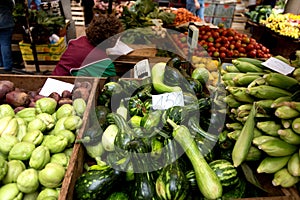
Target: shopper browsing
[196, 7]
[6, 30]
[86, 55]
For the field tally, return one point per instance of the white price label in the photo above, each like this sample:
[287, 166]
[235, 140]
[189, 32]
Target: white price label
[142, 69]
[278, 66]
[167, 100]
[53, 85]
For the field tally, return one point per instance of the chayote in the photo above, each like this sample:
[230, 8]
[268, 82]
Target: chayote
[3, 168]
[64, 111]
[36, 124]
[21, 151]
[8, 126]
[22, 128]
[47, 119]
[46, 105]
[68, 152]
[10, 191]
[39, 157]
[6, 110]
[79, 105]
[67, 134]
[73, 123]
[59, 125]
[60, 158]
[28, 114]
[48, 193]
[15, 167]
[52, 175]
[28, 181]
[31, 196]
[6, 143]
[55, 143]
[33, 136]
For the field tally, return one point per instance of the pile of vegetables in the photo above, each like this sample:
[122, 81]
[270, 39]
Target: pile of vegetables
[263, 120]
[223, 43]
[143, 150]
[261, 12]
[184, 16]
[283, 24]
[36, 141]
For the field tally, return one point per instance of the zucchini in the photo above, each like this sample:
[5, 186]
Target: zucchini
[208, 182]
[96, 184]
[118, 196]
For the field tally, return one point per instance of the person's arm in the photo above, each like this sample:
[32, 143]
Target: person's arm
[197, 4]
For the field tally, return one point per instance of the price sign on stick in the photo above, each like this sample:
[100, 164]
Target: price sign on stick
[278, 66]
[193, 35]
[167, 100]
[142, 69]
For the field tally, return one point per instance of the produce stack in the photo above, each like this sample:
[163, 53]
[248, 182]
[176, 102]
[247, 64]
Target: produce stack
[37, 134]
[263, 119]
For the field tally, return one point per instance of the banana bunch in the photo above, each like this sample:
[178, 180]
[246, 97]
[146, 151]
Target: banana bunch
[272, 136]
[283, 24]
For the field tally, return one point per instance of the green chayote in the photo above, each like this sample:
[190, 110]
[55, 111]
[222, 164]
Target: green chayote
[47, 119]
[64, 111]
[10, 191]
[3, 168]
[33, 136]
[67, 134]
[48, 193]
[6, 110]
[59, 125]
[39, 157]
[21, 151]
[28, 114]
[60, 158]
[8, 126]
[46, 105]
[28, 181]
[15, 167]
[55, 143]
[73, 122]
[6, 143]
[79, 105]
[31, 196]
[52, 175]
[68, 152]
[22, 128]
[36, 124]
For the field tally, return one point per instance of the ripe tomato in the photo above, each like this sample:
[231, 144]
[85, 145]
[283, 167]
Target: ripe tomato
[252, 53]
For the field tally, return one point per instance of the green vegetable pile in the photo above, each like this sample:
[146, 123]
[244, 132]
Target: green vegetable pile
[36, 146]
[261, 12]
[263, 121]
[144, 153]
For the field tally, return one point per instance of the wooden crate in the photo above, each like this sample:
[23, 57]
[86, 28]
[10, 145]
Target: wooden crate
[43, 65]
[75, 167]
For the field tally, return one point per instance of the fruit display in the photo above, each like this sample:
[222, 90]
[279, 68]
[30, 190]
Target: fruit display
[263, 120]
[37, 135]
[223, 43]
[284, 24]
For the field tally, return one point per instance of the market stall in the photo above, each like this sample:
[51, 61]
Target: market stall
[197, 111]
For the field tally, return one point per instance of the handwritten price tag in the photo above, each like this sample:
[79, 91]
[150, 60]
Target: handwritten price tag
[278, 66]
[167, 100]
[142, 69]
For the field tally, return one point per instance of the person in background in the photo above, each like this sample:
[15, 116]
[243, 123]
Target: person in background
[6, 30]
[88, 6]
[86, 56]
[196, 7]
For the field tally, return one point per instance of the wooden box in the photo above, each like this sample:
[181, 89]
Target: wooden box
[75, 167]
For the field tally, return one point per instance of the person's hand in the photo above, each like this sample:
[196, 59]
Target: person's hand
[197, 5]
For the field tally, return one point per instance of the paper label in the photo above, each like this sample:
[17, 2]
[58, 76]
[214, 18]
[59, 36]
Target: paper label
[53, 85]
[167, 100]
[142, 69]
[278, 66]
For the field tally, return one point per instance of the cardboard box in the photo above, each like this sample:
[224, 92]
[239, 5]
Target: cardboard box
[224, 10]
[56, 48]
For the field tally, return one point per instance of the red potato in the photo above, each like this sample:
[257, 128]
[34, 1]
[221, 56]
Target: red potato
[6, 87]
[17, 98]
